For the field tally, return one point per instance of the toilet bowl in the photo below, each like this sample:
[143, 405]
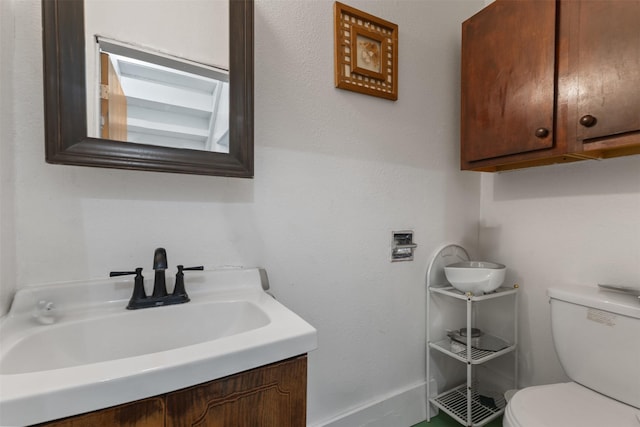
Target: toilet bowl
[567, 405]
[596, 334]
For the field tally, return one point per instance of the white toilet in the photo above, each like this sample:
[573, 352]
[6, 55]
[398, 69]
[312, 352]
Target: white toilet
[597, 337]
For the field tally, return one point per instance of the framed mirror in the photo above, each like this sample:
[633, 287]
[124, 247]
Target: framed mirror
[67, 138]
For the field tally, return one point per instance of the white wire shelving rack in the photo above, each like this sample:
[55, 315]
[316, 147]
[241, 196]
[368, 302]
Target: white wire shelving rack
[463, 402]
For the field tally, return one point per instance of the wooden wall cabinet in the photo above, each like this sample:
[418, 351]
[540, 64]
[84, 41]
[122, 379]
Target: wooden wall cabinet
[547, 81]
[270, 396]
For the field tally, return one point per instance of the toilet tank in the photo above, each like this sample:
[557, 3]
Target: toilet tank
[597, 337]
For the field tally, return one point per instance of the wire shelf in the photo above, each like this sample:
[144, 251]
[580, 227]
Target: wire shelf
[454, 403]
[459, 351]
[453, 292]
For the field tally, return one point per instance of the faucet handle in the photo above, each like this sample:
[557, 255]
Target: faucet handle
[125, 273]
[138, 286]
[182, 268]
[179, 289]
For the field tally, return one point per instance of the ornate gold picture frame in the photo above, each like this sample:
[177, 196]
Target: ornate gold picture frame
[366, 53]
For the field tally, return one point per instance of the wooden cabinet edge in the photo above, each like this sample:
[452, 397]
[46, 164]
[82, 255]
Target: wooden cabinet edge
[145, 412]
[614, 146]
[606, 148]
[493, 165]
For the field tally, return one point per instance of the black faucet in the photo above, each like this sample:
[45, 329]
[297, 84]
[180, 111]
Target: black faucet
[139, 298]
[159, 265]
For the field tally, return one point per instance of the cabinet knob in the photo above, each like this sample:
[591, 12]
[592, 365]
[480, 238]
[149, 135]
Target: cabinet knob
[588, 120]
[542, 132]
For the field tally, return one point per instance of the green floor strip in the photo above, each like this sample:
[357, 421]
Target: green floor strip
[444, 420]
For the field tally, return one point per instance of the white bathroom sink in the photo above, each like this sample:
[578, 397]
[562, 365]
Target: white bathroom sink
[89, 352]
[113, 336]
[477, 277]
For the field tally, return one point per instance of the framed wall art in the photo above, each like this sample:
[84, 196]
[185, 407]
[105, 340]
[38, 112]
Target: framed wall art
[366, 53]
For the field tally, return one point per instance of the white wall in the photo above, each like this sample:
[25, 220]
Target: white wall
[577, 223]
[336, 172]
[8, 106]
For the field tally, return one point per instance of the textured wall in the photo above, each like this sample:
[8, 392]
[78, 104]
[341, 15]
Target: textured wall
[8, 107]
[566, 224]
[336, 172]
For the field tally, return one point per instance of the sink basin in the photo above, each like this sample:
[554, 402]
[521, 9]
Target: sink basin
[128, 334]
[92, 353]
[477, 277]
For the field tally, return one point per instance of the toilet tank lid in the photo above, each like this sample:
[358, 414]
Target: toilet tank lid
[591, 296]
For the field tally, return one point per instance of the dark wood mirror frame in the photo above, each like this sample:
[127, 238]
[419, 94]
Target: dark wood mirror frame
[65, 102]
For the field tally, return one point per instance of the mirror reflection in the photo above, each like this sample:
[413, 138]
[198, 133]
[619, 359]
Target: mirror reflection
[151, 85]
[148, 98]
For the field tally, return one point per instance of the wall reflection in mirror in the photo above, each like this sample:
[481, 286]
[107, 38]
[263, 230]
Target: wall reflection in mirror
[153, 83]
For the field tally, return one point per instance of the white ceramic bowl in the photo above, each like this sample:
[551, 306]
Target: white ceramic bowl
[477, 277]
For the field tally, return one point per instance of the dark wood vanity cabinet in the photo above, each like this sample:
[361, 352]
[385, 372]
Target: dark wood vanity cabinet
[270, 396]
[548, 81]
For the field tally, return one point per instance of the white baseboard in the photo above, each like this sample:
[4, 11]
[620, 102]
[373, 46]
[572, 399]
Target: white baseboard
[403, 408]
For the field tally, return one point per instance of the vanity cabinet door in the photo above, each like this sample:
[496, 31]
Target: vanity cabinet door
[604, 58]
[508, 75]
[271, 396]
[141, 413]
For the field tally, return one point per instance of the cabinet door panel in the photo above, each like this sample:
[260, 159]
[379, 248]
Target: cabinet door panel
[272, 396]
[608, 68]
[508, 81]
